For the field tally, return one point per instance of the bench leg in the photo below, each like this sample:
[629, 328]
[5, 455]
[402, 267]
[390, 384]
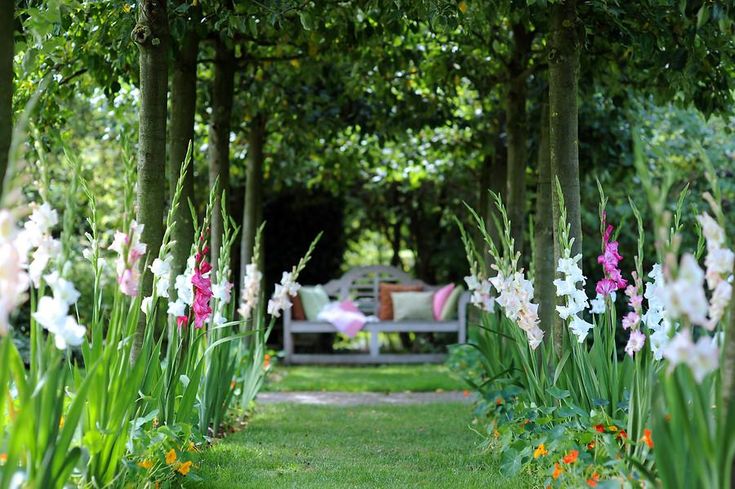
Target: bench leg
[374, 344]
[287, 342]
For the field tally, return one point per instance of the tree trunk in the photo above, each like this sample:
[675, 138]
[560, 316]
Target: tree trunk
[544, 235]
[395, 260]
[253, 208]
[151, 35]
[219, 136]
[497, 183]
[7, 50]
[563, 131]
[183, 109]
[517, 133]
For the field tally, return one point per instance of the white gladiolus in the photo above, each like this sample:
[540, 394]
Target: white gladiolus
[655, 317]
[52, 314]
[281, 299]
[574, 299]
[184, 289]
[597, 305]
[250, 291]
[145, 305]
[702, 357]
[580, 328]
[515, 294]
[480, 293]
[62, 289]
[685, 296]
[177, 308]
[161, 269]
[222, 291]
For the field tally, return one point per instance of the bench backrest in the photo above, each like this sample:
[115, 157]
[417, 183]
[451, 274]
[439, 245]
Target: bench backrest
[361, 285]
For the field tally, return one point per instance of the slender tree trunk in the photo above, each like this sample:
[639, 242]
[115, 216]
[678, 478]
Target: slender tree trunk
[395, 260]
[563, 131]
[544, 235]
[183, 109]
[7, 50]
[151, 35]
[252, 214]
[497, 184]
[219, 136]
[517, 132]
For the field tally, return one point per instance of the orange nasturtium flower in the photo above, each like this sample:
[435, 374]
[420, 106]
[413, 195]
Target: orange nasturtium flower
[266, 361]
[557, 471]
[647, 438]
[622, 435]
[184, 468]
[146, 464]
[592, 481]
[3, 458]
[171, 456]
[540, 451]
[599, 428]
[591, 445]
[571, 457]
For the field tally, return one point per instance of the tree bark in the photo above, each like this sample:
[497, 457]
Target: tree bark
[151, 35]
[7, 50]
[497, 183]
[563, 130]
[252, 214]
[517, 133]
[544, 235]
[183, 109]
[219, 136]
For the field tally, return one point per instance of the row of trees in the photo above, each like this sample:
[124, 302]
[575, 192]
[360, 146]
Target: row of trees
[299, 90]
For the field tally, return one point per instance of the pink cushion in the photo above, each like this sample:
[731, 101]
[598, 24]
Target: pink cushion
[440, 298]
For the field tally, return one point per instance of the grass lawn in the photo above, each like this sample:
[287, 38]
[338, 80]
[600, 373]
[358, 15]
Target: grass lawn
[385, 378]
[303, 446]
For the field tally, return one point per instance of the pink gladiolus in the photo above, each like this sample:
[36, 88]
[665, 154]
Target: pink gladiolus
[181, 321]
[128, 281]
[635, 342]
[630, 320]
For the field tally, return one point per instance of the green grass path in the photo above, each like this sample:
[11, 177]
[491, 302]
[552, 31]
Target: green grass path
[385, 446]
[384, 378]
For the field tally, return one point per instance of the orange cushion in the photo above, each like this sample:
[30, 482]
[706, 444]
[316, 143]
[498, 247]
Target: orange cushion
[297, 310]
[385, 302]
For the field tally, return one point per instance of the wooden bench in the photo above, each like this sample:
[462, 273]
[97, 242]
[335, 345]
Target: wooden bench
[361, 285]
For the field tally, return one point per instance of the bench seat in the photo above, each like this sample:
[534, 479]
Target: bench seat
[362, 286]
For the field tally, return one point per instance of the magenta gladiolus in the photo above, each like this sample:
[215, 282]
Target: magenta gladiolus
[202, 289]
[610, 259]
[606, 286]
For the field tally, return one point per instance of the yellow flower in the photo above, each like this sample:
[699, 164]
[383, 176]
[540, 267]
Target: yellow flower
[462, 7]
[184, 468]
[61, 422]
[192, 447]
[540, 451]
[127, 8]
[146, 464]
[612, 428]
[171, 456]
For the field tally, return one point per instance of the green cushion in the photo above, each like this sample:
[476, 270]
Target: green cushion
[450, 309]
[314, 299]
[413, 305]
